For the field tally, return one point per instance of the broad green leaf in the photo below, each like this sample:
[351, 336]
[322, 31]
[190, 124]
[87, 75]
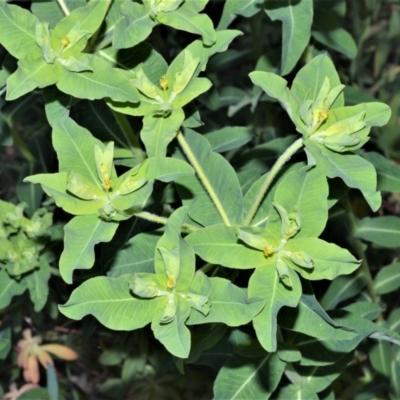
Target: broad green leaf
[37, 283]
[388, 172]
[380, 357]
[328, 30]
[218, 244]
[191, 22]
[296, 17]
[356, 172]
[111, 302]
[296, 391]
[329, 260]
[82, 233]
[17, 32]
[249, 378]
[232, 8]
[387, 279]
[31, 73]
[229, 304]
[302, 188]
[136, 256]
[159, 131]
[395, 371]
[342, 288]
[9, 288]
[55, 186]
[220, 179]
[167, 169]
[175, 336]
[103, 81]
[382, 231]
[308, 81]
[194, 89]
[135, 27]
[265, 283]
[228, 138]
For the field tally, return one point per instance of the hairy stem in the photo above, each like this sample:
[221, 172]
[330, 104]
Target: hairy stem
[162, 220]
[203, 178]
[280, 162]
[123, 123]
[63, 6]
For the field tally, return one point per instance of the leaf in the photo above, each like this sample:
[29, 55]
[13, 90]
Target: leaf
[175, 336]
[189, 21]
[228, 138]
[265, 283]
[159, 131]
[229, 304]
[218, 244]
[167, 169]
[221, 181]
[301, 189]
[382, 231]
[249, 378]
[328, 31]
[329, 260]
[388, 279]
[380, 357]
[194, 89]
[31, 73]
[103, 81]
[17, 32]
[110, 301]
[135, 27]
[38, 286]
[136, 256]
[82, 233]
[356, 172]
[9, 288]
[296, 17]
[5, 342]
[388, 172]
[247, 8]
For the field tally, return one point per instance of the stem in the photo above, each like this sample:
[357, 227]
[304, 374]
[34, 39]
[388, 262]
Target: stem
[126, 128]
[63, 7]
[203, 178]
[359, 249]
[21, 145]
[280, 162]
[162, 220]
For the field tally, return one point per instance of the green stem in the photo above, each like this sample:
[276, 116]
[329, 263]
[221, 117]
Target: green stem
[21, 145]
[55, 271]
[207, 267]
[126, 128]
[364, 267]
[280, 162]
[63, 7]
[203, 178]
[161, 220]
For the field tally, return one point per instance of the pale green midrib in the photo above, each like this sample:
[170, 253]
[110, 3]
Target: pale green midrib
[397, 232]
[251, 375]
[290, 7]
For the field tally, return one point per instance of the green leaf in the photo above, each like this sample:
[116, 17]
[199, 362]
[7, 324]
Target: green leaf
[380, 357]
[329, 260]
[356, 172]
[135, 27]
[249, 378]
[247, 8]
[9, 288]
[110, 301]
[31, 73]
[229, 304]
[382, 231]
[159, 131]
[17, 33]
[220, 178]
[328, 30]
[388, 172]
[82, 233]
[38, 286]
[265, 283]
[296, 17]
[387, 279]
[301, 189]
[228, 138]
[103, 81]
[190, 21]
[194, 89]
[296, 391]
[218, 244]
[5, 343]
[175, 336]
[167, 169]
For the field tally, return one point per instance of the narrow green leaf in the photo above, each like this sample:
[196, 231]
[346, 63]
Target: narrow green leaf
[110, 301]
[382, 231]
[5, 342]
[228, 138]
[265, 283]
[232, 8]
[388, 279]
[380, 357]
[296, 17]
[9, 288]
[82, 233]
[37, 284]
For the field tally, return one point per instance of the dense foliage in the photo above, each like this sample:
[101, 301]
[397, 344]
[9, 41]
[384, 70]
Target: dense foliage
[199, 199]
